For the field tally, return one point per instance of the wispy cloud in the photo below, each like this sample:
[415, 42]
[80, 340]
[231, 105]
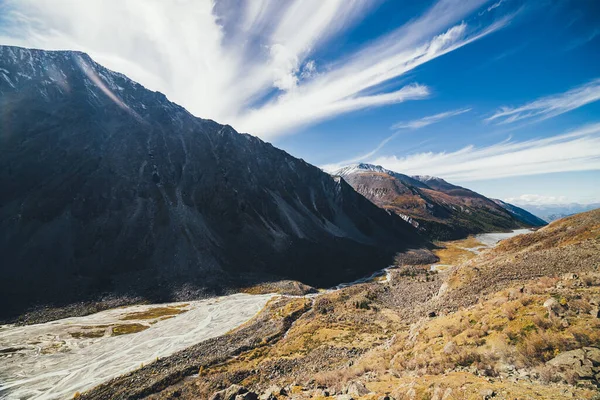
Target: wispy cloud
[584, 39]
[550, 106]
[540, 201]
[253, 65]
[492, 7]
[432, 119]
[537, 199]
[399, 127]
[577, 150]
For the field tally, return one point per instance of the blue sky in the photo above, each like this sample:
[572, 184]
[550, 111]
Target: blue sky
[500, 96]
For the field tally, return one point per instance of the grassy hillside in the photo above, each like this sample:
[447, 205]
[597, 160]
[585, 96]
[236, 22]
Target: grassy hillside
[517, 321]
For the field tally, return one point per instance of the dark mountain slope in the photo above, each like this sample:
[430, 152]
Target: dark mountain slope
[109, 187]
[521, 214]
[441, 210]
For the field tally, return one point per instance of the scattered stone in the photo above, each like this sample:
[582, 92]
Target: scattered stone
[487, 394]
[230, 393]
[447, 394]
[320, 393]
[554, 308]
[450, 348]
[356, 389]
[437, 393]
[247, 396]
[272, 392]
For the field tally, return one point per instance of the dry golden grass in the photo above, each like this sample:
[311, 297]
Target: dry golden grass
[466, 386]
[453, 356]
[564, 232]
[95, 327]
[456, 252]
[126, 329]
[510, 327]
[333, 322]
[53, 348]
[87, 334]
[153, 313]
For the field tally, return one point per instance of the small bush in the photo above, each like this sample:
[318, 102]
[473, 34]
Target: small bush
[324, 306]
[513, 338]
[539, 347]
[362, 304]
[580, 306]
[509, 310]
[589, 280]
[527, 328]
[467, 357]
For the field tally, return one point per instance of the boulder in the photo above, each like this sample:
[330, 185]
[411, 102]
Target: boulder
[584, 362]
[272, 392]
[450, 348]
[553, 306]
[356, 389]
[230, 393]
[247, 396]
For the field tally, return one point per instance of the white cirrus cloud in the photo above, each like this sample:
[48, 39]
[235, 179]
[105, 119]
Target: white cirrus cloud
[414, 124]
[431, 119]
[577, 150]
[550, 106]
[250, 65]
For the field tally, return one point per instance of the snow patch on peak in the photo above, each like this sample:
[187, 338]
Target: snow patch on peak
[427, 178]
[362, 168]
[350, 169]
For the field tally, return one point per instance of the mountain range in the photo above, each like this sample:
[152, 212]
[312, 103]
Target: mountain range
[439, 209]
[108, 187]
[552, 212]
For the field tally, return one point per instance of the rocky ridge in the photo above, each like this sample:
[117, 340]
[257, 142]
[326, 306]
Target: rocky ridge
[441, 210]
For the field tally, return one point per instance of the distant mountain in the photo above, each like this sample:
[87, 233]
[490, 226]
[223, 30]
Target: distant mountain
[108, 187]
[552, 212]
[440, 209]
[521, 214]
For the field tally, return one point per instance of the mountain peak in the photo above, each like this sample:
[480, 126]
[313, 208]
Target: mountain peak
[352, 168]
[427, 178]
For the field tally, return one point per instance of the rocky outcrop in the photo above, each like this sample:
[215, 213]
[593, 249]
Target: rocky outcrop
[581, 364]
[234, 392]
